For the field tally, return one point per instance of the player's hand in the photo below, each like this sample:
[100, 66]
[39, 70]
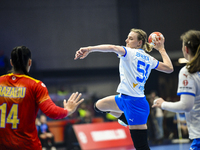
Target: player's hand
[82, 53]
[72, 103]
[157, 102]
[159, 43]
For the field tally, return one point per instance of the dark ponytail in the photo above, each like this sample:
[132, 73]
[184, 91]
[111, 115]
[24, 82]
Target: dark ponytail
[20, 56]
[194, 65]
[191, 39]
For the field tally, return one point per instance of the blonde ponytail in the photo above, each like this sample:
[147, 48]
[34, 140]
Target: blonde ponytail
[143, 36]
[148, 47]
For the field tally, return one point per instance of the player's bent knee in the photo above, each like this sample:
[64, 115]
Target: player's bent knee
[99, 111]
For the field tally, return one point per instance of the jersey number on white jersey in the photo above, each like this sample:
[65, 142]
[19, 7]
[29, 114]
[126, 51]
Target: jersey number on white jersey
[142, 71]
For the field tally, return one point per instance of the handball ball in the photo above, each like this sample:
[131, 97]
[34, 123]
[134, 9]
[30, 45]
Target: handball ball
[152, 37]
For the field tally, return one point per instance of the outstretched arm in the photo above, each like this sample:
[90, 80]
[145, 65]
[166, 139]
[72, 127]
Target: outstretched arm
[49, 108]
[84, 51]
[165, 66]
[185, 104]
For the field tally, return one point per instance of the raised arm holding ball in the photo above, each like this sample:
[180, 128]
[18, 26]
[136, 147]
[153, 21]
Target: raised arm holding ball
[131, 106]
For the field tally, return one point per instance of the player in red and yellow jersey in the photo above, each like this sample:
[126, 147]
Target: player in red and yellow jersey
[21, 96]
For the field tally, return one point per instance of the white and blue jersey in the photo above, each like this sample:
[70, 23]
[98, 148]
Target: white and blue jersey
[135, 67]
[190, 84]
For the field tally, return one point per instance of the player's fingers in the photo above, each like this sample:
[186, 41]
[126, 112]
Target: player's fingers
[77, 56]
[155, 101]
[71, 97]
[75, 96]
[82, 57]
[78, 97]
[80, 101]
[157, 38]
[80, 52]
[162, 37]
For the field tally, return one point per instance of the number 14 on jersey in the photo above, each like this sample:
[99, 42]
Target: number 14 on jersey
[12, 117]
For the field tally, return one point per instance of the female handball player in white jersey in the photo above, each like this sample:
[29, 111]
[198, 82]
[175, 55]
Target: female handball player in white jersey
[135, 66]
[188, 87]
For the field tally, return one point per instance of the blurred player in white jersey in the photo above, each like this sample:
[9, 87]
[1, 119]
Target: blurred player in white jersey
[188, 87]
[135, 66]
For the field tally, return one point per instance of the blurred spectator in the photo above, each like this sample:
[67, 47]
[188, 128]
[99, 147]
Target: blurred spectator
[37, 124]
[159, 118]
[170, 127]
[46, 137]
[180, 118]
[85, 115]
[87, 118]
[151, 123]
[82, 109]
[62, 91]
[156, 116]
[110, 117]
[4, 63]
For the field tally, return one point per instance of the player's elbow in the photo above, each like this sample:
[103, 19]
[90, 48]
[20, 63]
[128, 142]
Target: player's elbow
[188, 108]
[117, 49]
[170, 70]
[166, 68]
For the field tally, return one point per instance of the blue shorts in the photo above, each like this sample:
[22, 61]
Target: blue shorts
[195, 144]
[136, 109]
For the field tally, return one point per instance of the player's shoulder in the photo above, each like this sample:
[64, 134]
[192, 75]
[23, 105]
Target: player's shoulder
[4, 76]
[26, 77]
[130, 49]
[183, 70]
[184, 73]
[135, 51]
[35, 82]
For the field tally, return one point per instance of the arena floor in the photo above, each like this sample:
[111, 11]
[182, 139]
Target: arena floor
[160, 147]
[184, 146]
